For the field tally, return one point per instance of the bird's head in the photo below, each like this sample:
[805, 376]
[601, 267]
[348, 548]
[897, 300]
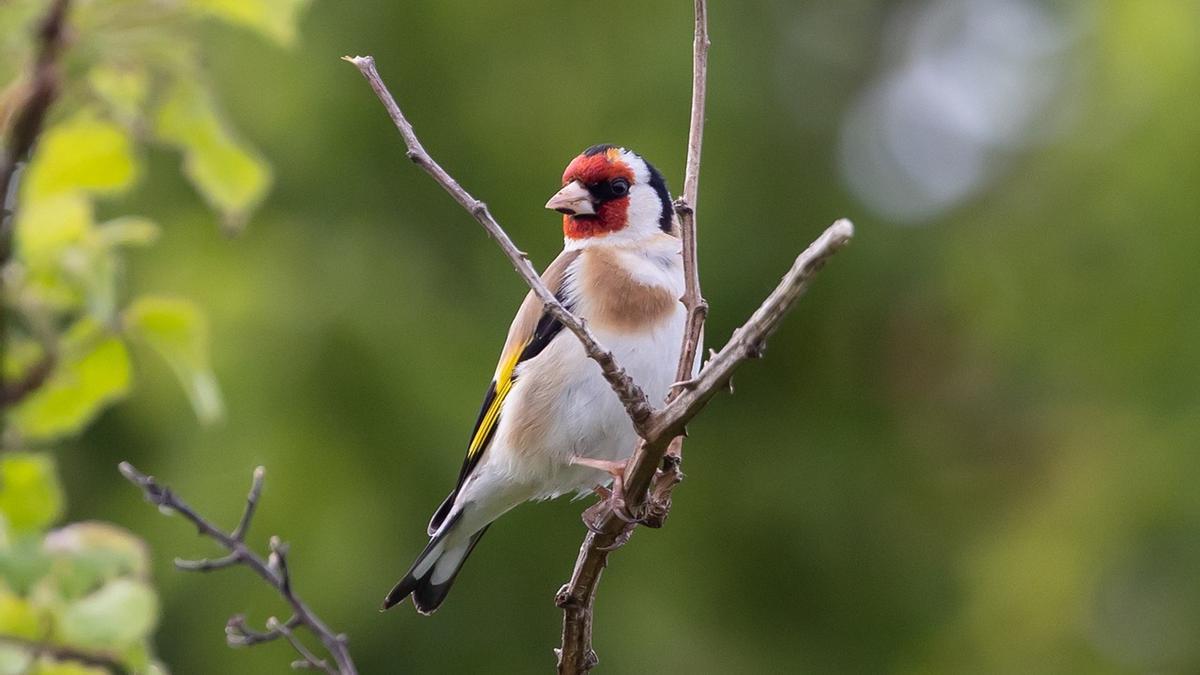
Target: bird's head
[608, 190]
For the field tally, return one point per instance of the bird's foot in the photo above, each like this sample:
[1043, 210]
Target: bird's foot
[595, 515]
[611, 501]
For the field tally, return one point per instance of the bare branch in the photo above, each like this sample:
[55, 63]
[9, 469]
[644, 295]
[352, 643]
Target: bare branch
[686, 206]
[274, 571]
[26, 125]
[665, 427]
[634, 399]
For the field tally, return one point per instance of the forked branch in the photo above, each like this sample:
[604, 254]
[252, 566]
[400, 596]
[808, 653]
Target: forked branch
[576, 654]
[654, 468]
[273, 570]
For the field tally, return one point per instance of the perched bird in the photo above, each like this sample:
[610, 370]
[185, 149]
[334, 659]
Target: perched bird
[550, 423]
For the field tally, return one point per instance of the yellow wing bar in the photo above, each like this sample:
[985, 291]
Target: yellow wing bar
[503, 383]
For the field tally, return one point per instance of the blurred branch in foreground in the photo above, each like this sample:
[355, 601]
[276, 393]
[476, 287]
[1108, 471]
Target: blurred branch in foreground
[25, 126]
[273, 570]
[631, 501]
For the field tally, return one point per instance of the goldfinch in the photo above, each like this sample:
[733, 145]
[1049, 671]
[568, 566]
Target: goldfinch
[550, 423]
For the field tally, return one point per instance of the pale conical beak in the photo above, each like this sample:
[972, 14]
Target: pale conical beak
[573, 200]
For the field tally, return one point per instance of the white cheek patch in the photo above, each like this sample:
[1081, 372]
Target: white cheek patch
[644, 210]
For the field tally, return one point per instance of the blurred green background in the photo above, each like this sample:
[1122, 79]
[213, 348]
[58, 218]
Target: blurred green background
[972, 448]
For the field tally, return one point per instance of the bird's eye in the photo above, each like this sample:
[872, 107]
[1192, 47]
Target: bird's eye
[619, 187]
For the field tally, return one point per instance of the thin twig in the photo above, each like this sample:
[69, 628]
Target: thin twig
[274, 571]
[692, 299]
[310, 659]
[633, 398]
[207, 564]
[256, 486]
[238, 634]
[27, 123]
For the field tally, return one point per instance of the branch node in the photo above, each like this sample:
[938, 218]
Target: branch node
[756, 349]
[563, 599]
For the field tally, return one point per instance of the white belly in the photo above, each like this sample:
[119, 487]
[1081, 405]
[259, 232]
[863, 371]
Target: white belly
[572, 411]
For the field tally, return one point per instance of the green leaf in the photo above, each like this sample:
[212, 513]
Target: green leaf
[229, 175]
[48, 666]
[14, 660]
[136, 657]
[47, 227]
[178, 331]
[87, 554]
[128, 231]
[20, 355]
[31, 497]
[17, 616]
[92, 372]
[124, 89]
[275, 19]
[23, 563]
[122, 612]
[64, 265]
[82, 153]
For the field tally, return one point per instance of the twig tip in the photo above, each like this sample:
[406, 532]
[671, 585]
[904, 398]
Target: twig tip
[842, 228]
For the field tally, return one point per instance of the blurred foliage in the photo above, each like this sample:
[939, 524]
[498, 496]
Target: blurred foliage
[132, 83]
[971, 449]
[83, 586]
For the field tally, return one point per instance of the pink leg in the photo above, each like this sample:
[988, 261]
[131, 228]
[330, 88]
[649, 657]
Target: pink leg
[610, 500]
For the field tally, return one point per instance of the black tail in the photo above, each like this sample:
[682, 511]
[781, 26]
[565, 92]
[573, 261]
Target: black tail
[436, 561]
